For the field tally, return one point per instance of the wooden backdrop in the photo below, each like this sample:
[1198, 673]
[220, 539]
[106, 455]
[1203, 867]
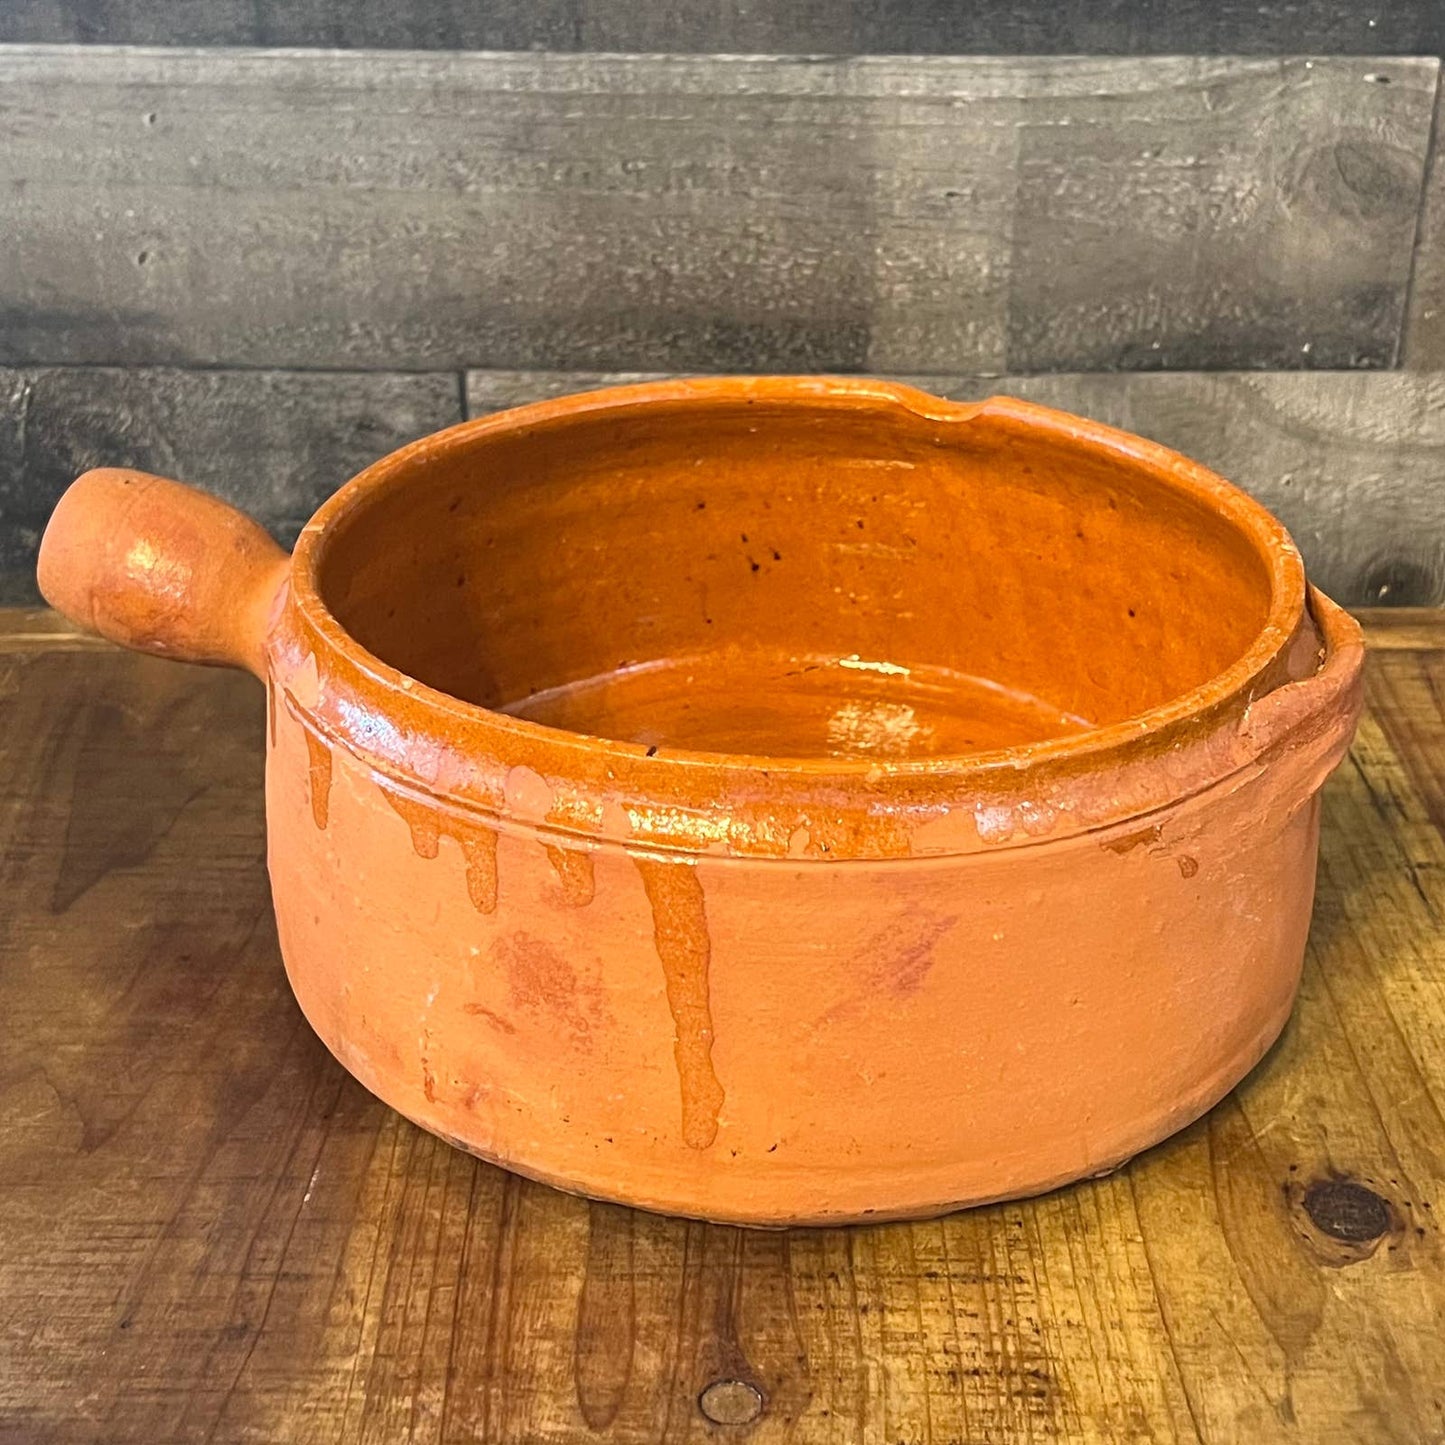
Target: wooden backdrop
[259, 269]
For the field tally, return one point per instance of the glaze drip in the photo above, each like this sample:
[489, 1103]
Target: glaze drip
[679, 924]
[320, 756]
[573, 868]
[478, 844]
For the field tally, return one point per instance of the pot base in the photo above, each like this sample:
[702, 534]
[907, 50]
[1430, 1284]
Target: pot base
[931, 1195]
[1150, 1131]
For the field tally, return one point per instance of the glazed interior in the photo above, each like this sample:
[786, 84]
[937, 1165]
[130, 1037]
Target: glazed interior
[794, 577]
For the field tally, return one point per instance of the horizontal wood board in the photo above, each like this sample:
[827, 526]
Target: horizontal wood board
[829, 27]
[410, 211]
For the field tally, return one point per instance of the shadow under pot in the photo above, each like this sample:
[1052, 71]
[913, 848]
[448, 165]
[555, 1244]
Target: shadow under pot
[778, 801]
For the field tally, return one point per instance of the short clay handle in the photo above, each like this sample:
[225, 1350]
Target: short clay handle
[161, 567]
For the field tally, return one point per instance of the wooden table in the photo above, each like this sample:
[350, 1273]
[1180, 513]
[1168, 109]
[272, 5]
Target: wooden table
[208, 1232]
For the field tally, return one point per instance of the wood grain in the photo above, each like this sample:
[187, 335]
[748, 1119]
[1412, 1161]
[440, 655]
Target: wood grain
[209, 1233]
[1423, 345]
[1403, 629]
[275, 444]
[406, 210]
[38, 629]
[1306, 268]
[1350, 461]
[860, 27]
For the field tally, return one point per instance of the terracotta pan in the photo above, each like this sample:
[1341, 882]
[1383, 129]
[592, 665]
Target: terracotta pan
[778, 801]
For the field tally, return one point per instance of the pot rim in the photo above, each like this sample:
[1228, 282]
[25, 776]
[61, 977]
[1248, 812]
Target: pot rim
[681, 782]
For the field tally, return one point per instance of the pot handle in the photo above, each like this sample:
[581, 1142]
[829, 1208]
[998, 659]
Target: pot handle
[162, 568]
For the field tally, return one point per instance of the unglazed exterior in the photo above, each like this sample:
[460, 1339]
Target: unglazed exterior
[771, 800]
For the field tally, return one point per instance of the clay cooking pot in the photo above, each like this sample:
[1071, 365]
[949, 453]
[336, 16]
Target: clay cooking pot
[778, 801]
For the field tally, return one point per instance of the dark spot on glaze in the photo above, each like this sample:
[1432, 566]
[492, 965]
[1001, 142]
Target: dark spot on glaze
[428, 1078]
[904, 964]
[1188, 866]
[894, 961]
[541, 981]
[495, 1019]
[1140, 838]
[652, 751]
[1346, 1211]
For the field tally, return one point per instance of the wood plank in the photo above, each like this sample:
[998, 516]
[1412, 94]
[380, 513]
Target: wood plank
[275, 444]
[1403, 629]
[1424, 335]
[856, 27]
[38, 629]
[409, 210]
[1408, 700]
[1304, 270]
[208, 1232]
[1350, 461]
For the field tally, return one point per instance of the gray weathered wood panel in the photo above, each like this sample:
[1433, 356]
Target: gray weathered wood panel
[275, 444]
[832, 27]
[1424, 342]
[420, 211]
[1284, 244]
[1353, 462]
